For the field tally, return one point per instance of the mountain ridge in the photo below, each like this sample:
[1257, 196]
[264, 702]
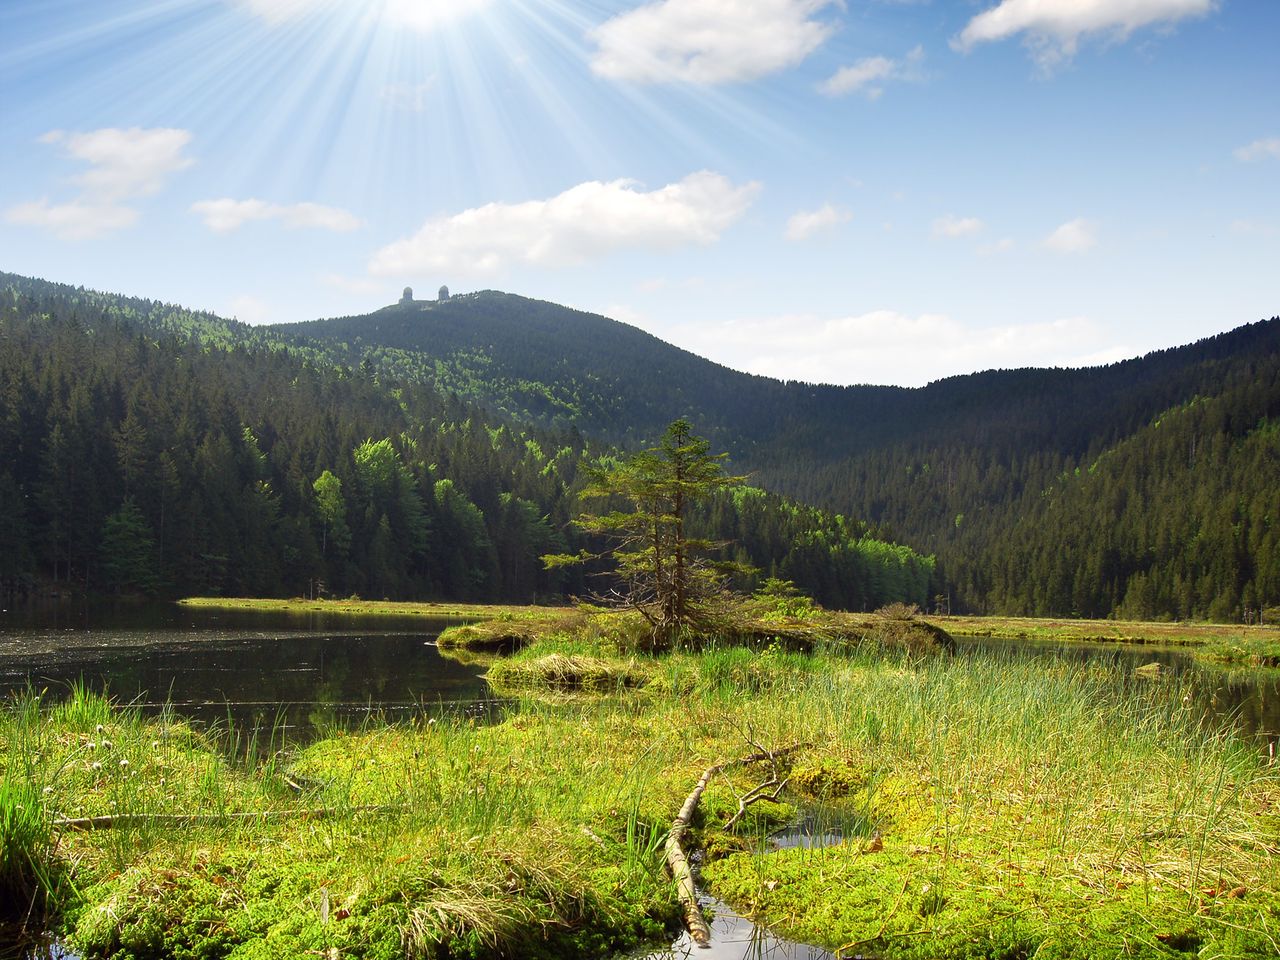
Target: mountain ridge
[947, 467]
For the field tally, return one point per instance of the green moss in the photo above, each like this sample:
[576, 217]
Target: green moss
[372, 608]
[509, 632]
[827, 777]
[1241, 652]
[577, 672]
[1020, 808]
[921, 906]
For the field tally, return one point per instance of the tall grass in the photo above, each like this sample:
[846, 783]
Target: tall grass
[444, 832]
[31, 873]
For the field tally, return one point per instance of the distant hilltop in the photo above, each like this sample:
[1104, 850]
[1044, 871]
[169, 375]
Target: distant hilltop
[407, 296]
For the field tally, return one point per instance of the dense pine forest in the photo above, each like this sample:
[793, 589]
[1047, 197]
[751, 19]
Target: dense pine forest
[152, 450]
[1142, 488]
[434, 450]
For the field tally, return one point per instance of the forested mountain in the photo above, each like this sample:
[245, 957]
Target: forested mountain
[433, 450]
[151, 449]
[1040, 491]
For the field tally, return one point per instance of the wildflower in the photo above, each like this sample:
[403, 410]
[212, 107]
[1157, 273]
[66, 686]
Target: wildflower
[92, 746]
[124, 763]
[100, 728]
[95, 766]
[48, 790]
[106, 744]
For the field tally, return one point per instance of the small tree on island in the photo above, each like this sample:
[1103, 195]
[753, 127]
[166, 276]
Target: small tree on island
[661, 572]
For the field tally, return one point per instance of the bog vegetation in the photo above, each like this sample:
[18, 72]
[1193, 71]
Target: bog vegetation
[985, 807]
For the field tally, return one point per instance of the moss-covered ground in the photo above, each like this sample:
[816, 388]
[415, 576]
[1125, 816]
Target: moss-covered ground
[808, 625]
[1242, 653]
[373, 608]
[1009, 808]
[1145, 632]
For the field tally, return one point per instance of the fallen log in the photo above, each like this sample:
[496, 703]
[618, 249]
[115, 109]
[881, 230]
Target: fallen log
[678, 862]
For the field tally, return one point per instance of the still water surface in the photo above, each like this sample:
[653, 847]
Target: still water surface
[288, 673]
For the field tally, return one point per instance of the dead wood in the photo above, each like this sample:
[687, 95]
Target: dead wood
[678, 862]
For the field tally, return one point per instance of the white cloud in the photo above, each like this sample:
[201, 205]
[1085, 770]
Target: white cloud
[250, 310]
[806, 223]
[124, 163]
[626, 314]
[1267, 148]
[1053, 28]
[869, 75]
[585, 222]
[415, 14]
[225, 215]
[888, 346]
[707, 41]
[953, 226]
[1074, 236]
[861, 77]
[77, 220]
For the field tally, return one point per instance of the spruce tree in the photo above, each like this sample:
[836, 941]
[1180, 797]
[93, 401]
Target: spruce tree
[659, 569]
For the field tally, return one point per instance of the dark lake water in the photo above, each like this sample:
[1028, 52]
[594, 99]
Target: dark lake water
[294, 674]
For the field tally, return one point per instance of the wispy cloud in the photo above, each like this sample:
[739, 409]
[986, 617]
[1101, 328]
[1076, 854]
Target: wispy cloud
[890, 346]
[707, 41]
[125, 163]
[226, 215]
[1074, 236]
[805, 223]
[1267, 148]
[951, 226]
[250, 310]
[870, 75]
[76, 220]
[1052, 29]
[583, 223]
[122, 164]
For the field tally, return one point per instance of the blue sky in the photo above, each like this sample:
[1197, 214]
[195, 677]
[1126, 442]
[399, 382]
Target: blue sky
[873, 191]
